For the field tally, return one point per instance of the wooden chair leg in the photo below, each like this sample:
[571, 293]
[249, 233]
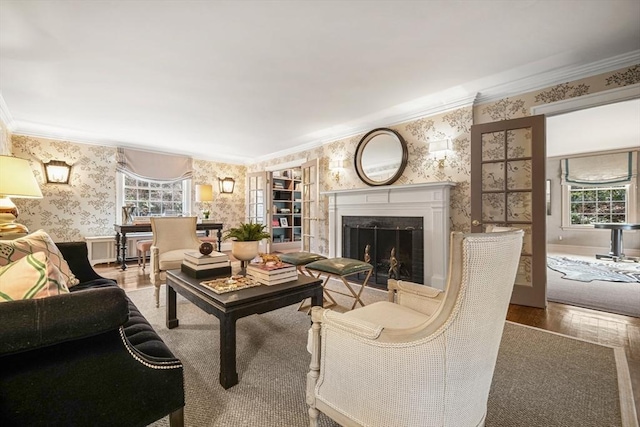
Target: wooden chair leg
[176, 418]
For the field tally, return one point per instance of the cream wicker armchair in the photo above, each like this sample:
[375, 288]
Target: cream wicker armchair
[171, 238]
[426, 359]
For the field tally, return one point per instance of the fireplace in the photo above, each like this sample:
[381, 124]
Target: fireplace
[393, 245]
[427, 203]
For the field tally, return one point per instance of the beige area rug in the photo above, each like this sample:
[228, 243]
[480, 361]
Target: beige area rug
[613, 297]
[541, 379]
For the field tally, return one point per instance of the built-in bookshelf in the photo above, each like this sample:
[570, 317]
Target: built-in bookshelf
[286, 209]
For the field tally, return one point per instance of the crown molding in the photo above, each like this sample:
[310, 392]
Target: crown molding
[38, 130]
[5, 115]
[423, 107]
[564, 74]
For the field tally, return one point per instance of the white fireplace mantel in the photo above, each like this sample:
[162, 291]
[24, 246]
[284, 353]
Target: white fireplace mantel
[430, 201]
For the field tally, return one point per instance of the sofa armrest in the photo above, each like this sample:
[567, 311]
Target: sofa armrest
[77, 256]
[34, 323]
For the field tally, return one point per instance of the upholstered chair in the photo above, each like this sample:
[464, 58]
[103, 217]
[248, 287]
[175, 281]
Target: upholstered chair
[172, 237]
[424, 359]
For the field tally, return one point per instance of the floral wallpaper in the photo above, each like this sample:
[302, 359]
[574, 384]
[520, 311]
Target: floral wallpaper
[421, 166]
[5, 140]
[87, 206]
[520, 105]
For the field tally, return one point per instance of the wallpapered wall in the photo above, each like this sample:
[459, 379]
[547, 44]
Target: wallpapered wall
[87, 207]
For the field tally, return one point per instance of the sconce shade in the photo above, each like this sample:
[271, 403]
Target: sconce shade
[57, 172]
[204, 193]
[441, 145]
[226, 185]
[16, 180]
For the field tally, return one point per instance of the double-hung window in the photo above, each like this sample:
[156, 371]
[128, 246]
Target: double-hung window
[156, 198]
[599, 189]
[154, 184]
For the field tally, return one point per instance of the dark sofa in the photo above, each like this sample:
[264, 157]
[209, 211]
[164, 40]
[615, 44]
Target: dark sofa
[87, 358]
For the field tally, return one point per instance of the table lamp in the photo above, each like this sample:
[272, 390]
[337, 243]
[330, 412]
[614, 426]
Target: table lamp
[204, 193]
[16, 180]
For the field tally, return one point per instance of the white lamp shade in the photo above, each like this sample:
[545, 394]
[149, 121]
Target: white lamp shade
[17, 179]
[204, 193]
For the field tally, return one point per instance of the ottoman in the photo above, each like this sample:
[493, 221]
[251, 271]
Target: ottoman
[342, 267]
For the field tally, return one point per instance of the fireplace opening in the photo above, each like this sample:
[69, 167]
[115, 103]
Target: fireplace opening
[393, 245]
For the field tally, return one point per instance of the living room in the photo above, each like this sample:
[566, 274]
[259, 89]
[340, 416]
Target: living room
[90, 204]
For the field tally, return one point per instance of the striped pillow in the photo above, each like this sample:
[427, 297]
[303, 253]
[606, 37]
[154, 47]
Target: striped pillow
[39, 241]
[32, 276]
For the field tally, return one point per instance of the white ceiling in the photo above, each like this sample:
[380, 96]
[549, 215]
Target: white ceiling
[241, 80]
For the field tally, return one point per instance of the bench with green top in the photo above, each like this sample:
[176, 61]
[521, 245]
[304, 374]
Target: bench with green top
[300, 260]
[342, 267]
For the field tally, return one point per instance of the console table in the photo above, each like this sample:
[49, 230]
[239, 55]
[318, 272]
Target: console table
[123, 229]
[616, 250]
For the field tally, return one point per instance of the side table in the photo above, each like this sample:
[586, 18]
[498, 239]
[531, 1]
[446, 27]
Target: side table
[617, 247]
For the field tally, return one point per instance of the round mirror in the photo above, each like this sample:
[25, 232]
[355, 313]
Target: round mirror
[381, 157]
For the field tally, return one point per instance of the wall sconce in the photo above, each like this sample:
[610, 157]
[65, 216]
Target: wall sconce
[440, 147]
[226, 185]
[57, 172]
[336, 166]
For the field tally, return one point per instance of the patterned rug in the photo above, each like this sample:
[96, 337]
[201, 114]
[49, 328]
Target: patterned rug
[584, 271]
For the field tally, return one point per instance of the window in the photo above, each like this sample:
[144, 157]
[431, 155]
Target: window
[155, 198]
[584, 206]
[590, 205]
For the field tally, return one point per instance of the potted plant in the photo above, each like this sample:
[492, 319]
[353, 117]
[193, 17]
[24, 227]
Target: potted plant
[246, 239]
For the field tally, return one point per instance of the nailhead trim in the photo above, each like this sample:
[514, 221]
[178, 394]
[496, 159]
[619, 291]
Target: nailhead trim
[157, 365]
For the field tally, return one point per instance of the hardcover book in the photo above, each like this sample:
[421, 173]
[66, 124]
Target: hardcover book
[209, 272]
[205, 266]
[195, 257]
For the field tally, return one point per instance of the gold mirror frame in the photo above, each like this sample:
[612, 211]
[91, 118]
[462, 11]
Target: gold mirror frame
[370, 147]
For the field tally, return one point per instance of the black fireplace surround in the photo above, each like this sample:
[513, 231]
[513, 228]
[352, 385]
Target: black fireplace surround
[393, 245]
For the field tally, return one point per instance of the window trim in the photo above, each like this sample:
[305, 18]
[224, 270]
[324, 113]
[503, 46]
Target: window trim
[566, 208]
[187, 205]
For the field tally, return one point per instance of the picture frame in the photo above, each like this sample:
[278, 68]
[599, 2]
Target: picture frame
[284, 222]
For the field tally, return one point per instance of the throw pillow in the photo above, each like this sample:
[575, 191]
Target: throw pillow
[39, 241]
[32, 276]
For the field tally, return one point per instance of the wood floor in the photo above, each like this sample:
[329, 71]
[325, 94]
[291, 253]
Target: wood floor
[592, 325]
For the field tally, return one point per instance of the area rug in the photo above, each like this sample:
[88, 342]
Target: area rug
[585, 271]
[540, 379]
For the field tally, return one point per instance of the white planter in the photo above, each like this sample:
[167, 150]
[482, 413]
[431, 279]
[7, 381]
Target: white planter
[244, 251]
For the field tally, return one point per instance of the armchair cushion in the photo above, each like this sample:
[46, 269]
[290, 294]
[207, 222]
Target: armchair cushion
[39, 241]
[30, 277]
[171, 259]
[388, 315]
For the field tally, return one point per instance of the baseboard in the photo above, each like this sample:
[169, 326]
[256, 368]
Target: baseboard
[587, 250]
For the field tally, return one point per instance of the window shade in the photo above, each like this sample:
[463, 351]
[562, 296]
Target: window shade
[604, 169]
[154, 166]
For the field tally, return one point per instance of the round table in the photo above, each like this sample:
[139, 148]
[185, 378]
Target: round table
[616, 249]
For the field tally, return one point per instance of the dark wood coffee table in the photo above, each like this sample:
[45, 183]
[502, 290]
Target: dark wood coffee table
[231, 306]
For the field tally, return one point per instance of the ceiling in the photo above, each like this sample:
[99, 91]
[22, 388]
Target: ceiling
[246, 80]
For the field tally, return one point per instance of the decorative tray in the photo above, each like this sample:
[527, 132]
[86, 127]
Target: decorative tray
[230, 284]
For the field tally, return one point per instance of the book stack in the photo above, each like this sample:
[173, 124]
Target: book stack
[272, 274]
[198, 265]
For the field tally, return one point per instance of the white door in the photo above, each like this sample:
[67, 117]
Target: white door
[310, 205]
[257, 199]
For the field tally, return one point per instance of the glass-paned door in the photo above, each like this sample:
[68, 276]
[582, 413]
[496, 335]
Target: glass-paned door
[310, 206]
[256, 197]
[508, 190]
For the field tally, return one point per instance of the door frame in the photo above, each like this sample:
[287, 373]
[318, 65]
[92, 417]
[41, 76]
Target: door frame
[534, 295]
